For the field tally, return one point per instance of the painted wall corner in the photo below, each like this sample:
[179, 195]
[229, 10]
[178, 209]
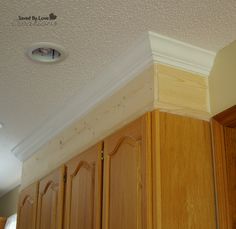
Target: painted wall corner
[222, 80]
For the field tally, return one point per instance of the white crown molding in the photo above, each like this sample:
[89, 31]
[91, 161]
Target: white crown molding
[145, 51]
[175, 53]
[118, 74]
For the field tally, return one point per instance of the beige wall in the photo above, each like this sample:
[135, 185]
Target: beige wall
[222, 80]
[8, 202]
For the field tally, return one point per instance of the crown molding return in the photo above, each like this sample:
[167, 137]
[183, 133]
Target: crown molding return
[181, 55]
[148, 49]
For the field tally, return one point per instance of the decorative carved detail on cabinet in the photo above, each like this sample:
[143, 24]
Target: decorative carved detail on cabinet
[50, 200]
[154, 173]
[84, 190]
[127, 176]
[27, 208]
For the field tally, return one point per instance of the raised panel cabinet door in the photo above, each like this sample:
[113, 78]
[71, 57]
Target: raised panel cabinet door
[127, 177]
[84, 190]
[50, 200]
[27, 207]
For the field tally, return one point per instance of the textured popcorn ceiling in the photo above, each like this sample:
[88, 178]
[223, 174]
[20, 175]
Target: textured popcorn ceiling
[94, 33]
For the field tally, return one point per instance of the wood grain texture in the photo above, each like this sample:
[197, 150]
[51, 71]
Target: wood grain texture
[224, 140]
[183, 158]
[127, 193]
[84, 190]
[51, 200]
[221, 180]
[2, 222]
[156, 164]
[227, 118]
[27, 207]
[230, 149]
[182, 89]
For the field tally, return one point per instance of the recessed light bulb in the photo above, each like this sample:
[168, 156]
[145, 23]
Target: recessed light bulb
[1, 125]
[46, 52]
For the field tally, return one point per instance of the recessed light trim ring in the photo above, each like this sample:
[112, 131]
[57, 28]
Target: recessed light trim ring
[46, 52]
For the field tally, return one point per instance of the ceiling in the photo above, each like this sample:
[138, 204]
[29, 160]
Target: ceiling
[94, 33]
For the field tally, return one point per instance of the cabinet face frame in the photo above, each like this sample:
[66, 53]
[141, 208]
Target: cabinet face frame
[53, 183]
[220, 123]
[30, 194]
[137, 136]
[91, 162]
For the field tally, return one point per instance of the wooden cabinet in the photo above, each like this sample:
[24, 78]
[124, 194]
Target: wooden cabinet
[230, 149]
[50, 200]
[224, 141]
[183, 182]
[2, 222]
[155, 173]
[27, 208]
[84, 190]
[127, 177]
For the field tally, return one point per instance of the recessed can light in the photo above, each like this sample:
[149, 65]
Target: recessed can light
[46, 52]
[1, 125]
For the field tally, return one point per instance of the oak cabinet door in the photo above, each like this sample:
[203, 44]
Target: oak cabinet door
[83, 190]
[127, 181]
[27, 207]
[50, 200]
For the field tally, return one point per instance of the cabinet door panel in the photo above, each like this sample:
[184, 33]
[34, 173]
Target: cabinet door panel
[83, 191]
[127, 186]
[27, 208]
[50, 200]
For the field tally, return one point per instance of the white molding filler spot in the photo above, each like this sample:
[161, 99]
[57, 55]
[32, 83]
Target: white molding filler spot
[150, 48]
